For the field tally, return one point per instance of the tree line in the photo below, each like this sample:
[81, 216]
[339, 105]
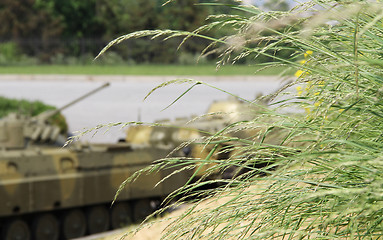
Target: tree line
[48, 29]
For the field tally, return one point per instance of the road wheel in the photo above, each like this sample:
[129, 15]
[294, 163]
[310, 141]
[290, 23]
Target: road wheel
[16, 229]
[97, 219]
[142, 209]
[46, 227]
[73, 224]
[121, 215]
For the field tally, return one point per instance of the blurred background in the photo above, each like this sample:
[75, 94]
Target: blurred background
[73, 32]
[47, 60]
[46, 44]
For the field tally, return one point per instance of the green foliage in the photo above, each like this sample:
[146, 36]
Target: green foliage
[79, 18]
[312, 176]
[21, 20]
[129, 16]
[55, 31]
[9, 52]
[23, 106]
[31, 109]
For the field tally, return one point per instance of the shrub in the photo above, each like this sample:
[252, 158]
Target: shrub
[9, 53]
[30, 109]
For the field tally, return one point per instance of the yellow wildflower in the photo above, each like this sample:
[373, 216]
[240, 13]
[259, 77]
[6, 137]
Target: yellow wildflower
[299, 73]
[320, 83]
[307, 53]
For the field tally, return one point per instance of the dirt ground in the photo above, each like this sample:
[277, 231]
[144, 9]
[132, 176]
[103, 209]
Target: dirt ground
[153, 232]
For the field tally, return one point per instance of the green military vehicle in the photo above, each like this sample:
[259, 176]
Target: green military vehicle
[48, 192]
[220, 115]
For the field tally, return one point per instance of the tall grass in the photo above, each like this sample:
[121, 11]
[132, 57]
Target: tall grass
[322, 176]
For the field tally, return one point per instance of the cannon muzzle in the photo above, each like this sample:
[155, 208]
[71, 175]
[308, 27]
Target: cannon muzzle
[42, 117]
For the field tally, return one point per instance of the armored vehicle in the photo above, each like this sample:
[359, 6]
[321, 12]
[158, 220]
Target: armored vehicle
[220, 115]
[48, 192]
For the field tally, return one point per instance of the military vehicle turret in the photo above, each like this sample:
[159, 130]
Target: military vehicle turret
[219, 115]
[48, 192]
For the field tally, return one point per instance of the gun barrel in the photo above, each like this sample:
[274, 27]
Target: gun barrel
[82, 97]
[46, 115]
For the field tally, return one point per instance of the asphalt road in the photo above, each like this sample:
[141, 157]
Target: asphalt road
[123, 101]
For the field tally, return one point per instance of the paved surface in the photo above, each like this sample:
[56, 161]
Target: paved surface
[123, 101]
